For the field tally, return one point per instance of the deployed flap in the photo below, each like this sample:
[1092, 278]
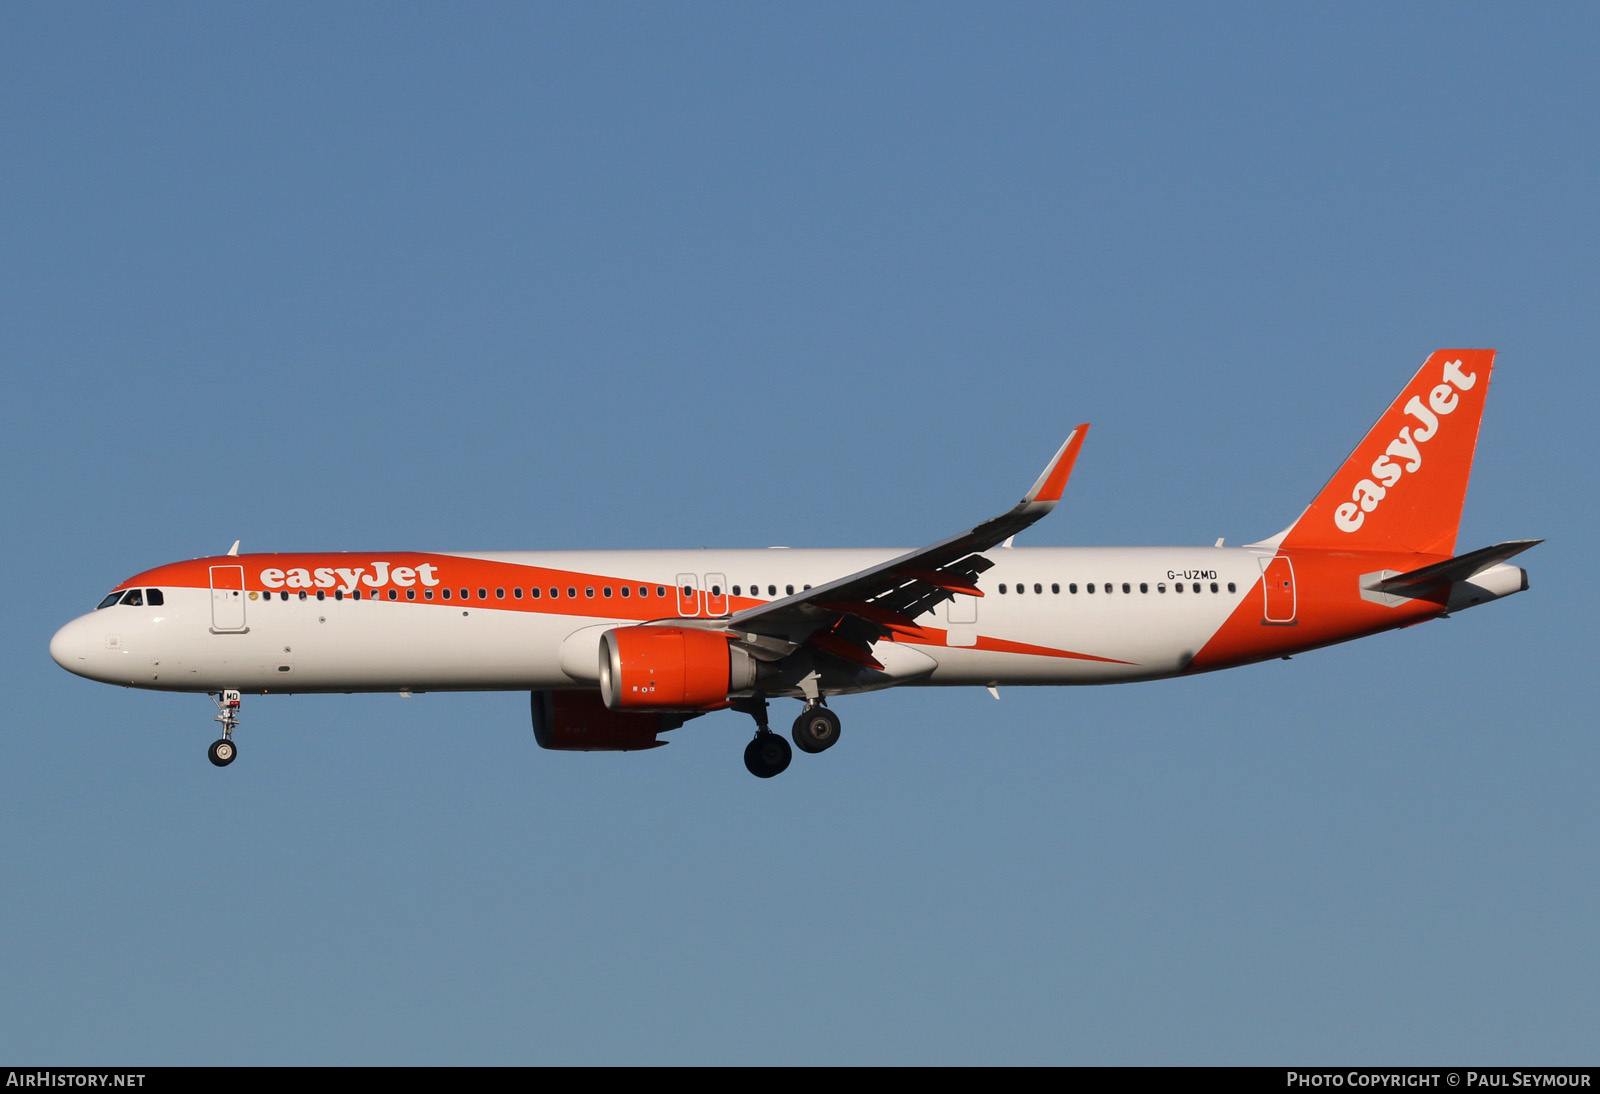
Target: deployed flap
[1460, 568]
[863, 607]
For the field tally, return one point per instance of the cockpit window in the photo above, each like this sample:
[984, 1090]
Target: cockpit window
[111, 598]
[134, 598]
[154, 599]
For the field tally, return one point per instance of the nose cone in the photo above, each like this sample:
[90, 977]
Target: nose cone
[70, 647]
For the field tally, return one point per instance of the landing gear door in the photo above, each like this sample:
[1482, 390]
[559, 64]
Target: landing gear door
[688, 595]
[227, 599]
[1277, 584]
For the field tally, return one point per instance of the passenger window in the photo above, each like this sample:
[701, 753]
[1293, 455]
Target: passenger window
[1144, 587]
[1231, 589]
[483, 594]
[572, 593]
[356, 594]
[716, 590]
[589, 592]
[1196, 586]
[1108, 586]
[555, 593]
[1089, 588]
[1038, 588]
[772, 590]
[321, 595]
[1002, 588]
[788, 590]
[445, 593]
[466, 594]
[533, 592]
[517, 592]
[284, 595]
[1055, 587]
[736, 590]
[134, 598]
[499, 594]
[393, 594]
[411, 594]
[302, 594]
[338, 594]
[1126, 587]
[1177, 586]
[1161, 586]
[661, 590]
[154, 598]
[1073, 588]
[1213, 586]
[606, 591]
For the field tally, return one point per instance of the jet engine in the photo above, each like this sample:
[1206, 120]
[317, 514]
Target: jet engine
[671, 668]
[577, 721]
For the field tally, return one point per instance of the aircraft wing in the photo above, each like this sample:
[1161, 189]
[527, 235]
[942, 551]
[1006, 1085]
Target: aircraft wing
[844, 617]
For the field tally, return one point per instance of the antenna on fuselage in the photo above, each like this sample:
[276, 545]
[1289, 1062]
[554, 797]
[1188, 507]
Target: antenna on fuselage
[234, 549]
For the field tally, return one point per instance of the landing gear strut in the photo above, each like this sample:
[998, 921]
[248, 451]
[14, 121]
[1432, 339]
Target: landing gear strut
[222, 751]
[817, 729]
[768, 754]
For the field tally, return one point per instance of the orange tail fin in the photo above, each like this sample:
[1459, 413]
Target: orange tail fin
[1403, 487]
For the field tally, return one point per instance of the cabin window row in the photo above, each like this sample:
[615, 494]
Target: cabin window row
[1019, 588]
[554, 592]
[500, 593]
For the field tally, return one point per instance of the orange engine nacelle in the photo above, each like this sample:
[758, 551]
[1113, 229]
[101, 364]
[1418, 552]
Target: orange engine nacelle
[670, 668]
[577, 721]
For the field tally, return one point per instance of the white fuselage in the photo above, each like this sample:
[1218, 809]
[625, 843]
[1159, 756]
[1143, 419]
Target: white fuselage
[1150, 611]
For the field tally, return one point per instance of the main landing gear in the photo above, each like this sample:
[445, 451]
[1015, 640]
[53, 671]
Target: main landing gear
[768, 754]
[222, 751]
[816, 730]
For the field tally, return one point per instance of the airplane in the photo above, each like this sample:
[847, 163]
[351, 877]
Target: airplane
[617, 648]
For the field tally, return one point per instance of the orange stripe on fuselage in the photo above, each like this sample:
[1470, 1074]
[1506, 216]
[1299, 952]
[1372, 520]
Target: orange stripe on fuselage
[455, 573]
[1329, 609]
[935, 636]
[330, 571]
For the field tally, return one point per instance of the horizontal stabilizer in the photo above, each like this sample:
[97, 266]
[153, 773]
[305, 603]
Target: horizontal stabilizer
[1460, 568]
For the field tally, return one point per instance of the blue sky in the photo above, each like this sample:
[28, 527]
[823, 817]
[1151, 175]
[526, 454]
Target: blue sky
[538, 276]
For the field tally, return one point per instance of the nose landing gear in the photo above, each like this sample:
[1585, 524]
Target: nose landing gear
[223, 751]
